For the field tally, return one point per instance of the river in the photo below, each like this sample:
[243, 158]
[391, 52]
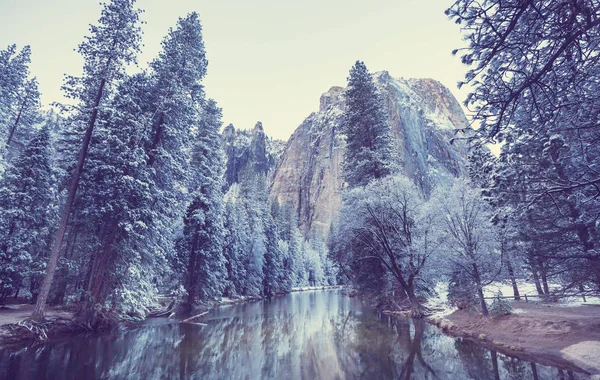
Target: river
[305, 335]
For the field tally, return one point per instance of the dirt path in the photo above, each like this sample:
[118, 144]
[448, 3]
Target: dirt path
[14, 313]
[538, 330]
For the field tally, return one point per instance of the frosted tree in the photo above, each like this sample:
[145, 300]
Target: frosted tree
[289, 243]
[111, 45]
[203, 224]
[255, 199]
[20, 100]
[148, 159]
[386, 237]
[367, 133]
[482, 166]
[27, 196]
[237, 241]
[116, 200]
[274, 276]
[534, 71]
[466, 237]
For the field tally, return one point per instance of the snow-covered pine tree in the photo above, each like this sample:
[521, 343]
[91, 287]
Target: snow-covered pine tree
[159, 114]
[112, 44]
[546, 112]
[203, 224]
[237, 243]
[273, 269]
[19, 100]
[254, 198]
[116, 202]
[175, 109]
[27, 197]
[289, 243]
[367, 133]
[482, 166]
[21, 127]
[481, 163]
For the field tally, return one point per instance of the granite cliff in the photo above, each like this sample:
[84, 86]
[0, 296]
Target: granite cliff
[423, 116]
[249, 150]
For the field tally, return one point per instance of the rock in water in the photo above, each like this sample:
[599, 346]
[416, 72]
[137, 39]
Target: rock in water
[423, 116]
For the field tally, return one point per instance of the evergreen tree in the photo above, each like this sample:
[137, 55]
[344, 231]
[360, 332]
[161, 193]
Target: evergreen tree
[27, 115]
[254, 198]
[237, 241]
[19, 100]
[289, 243]
[26, 213]
[111, 45]
[367, 133]
[143, 174]
[116, 200]
[546, 115]
[203, 231]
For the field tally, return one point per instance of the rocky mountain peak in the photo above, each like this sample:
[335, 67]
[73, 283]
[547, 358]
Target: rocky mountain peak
[423, 117]
[258, 128]
[229, 132]
[331, 97]
[249, 150]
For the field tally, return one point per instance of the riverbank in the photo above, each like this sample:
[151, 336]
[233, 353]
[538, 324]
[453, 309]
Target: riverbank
[16, 329]
[552, 334]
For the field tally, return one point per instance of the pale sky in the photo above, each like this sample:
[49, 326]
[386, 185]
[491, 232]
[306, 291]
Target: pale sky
[269, 60]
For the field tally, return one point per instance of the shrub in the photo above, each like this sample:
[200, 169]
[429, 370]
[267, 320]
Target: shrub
[500, 306]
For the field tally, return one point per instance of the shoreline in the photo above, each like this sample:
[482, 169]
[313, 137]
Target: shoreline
[549, 335]
[61, 324]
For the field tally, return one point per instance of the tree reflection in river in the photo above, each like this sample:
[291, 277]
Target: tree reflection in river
[310, 335]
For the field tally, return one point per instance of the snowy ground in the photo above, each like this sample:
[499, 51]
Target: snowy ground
[439, 303]
[529, 289]
[305, 288]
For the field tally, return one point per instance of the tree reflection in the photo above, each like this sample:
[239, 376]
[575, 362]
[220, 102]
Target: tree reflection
[319, 335]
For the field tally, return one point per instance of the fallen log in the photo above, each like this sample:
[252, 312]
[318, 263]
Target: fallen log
[195, 316]
[195, 323]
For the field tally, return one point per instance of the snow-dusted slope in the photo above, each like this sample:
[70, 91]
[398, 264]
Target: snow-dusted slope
[423, 117]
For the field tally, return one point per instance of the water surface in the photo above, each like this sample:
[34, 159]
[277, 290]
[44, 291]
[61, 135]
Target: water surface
[305, 335]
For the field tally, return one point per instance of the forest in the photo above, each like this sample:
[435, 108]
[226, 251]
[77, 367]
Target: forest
[128, 190]
[529, 213]
[121, 194]
[131, 207]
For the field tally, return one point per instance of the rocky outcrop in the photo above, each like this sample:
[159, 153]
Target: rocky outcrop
[249, 150]
[423, 117]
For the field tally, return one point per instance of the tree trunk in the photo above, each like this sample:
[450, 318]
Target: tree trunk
[156, 139]
[415, 306]
[96, 284]
[536, 280]
[534, 371]
[477, 278]
[191, 279]
[61, 288]
[14, 127]
[38, 311]
[495, 365]
[511, 274]
[545, 281]
[59, 294]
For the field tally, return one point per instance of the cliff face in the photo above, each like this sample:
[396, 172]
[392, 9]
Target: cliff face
[423, 116]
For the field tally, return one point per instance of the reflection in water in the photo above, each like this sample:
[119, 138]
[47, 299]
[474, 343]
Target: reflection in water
[308, 335]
